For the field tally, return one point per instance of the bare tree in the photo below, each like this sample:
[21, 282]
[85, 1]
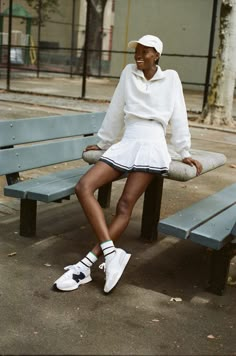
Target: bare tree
[219, 106]
[95, 35]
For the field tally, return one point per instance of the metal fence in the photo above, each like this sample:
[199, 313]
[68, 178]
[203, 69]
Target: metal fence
[30, 53]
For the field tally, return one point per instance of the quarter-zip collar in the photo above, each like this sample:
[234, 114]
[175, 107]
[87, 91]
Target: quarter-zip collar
[158, 75]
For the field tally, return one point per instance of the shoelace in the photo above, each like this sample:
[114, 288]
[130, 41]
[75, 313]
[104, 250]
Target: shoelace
[102, 266]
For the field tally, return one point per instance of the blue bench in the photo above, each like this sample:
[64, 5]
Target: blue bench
[40, 142]
[210, 222]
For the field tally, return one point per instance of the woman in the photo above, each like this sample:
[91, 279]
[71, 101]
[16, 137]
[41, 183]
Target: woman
[144, 102]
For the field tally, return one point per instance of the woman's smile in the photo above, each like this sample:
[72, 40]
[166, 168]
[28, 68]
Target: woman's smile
[139, 63]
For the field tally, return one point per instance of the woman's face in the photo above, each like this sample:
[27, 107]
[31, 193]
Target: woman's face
[145, 57]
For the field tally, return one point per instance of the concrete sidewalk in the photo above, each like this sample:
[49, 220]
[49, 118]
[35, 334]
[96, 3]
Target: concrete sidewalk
[97, 89]
[139, 316]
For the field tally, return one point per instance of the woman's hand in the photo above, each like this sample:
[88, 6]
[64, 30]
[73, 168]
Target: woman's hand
[193, 162]
[92, 148]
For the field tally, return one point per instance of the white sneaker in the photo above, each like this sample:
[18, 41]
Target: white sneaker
[115, 268]
[73, 278]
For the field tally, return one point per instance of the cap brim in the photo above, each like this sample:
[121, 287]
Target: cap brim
[132, 44]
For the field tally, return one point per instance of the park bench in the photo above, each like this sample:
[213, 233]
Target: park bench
[40, 142]
[210, 222]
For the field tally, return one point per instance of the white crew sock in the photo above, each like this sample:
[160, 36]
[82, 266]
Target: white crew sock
[108, 249]
[87, 261]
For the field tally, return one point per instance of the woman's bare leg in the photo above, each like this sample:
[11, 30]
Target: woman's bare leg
[135, 186]
[100, 174]
[116, 259]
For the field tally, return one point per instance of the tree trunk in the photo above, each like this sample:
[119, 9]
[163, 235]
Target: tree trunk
[219, 106]
[95, 36]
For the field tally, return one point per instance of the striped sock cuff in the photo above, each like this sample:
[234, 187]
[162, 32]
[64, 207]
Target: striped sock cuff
[108, 248]
[87, 261]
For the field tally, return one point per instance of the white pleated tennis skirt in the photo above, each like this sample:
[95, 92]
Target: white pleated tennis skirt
[143, 148]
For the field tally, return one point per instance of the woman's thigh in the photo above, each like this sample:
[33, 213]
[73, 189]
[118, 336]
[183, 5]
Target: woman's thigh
[135, 185]
[100, 174]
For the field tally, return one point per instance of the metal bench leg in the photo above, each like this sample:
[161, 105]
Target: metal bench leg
[151, 210]
[219, 269]
[28, 212]
[104, 195]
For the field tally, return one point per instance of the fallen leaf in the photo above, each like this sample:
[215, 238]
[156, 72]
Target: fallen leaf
[11, 254]
[210, 336]
[176, 299]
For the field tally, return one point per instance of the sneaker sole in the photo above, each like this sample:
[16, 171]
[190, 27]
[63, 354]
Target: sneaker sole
[68, 289]
[123, 265]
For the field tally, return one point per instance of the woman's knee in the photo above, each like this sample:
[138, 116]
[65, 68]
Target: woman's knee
[124, 206]
[82, 188]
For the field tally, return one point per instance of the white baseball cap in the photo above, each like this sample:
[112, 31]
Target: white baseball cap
[148, 41]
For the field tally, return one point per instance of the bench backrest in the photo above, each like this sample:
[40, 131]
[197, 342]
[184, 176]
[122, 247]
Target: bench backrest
[38, 142]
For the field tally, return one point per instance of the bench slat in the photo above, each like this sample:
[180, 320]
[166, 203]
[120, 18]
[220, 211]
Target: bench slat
[13, 132]
[216, 232]
[40, 155]
[20, 190]
[181, 223]
[55, 190]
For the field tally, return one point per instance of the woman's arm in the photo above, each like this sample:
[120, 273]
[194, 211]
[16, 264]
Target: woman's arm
[181, 138]
[113, 123]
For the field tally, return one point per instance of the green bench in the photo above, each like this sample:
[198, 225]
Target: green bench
[210, 222]
[40, 142]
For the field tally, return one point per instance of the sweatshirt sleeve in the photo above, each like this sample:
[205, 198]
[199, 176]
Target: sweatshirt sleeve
[181, 138]
[113, 123]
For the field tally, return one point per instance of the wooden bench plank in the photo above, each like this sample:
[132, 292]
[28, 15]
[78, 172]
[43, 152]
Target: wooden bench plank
[216, 232]
[184, 221]
[13, 132]
[56, 190]
[41, 155]
[20, 190]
